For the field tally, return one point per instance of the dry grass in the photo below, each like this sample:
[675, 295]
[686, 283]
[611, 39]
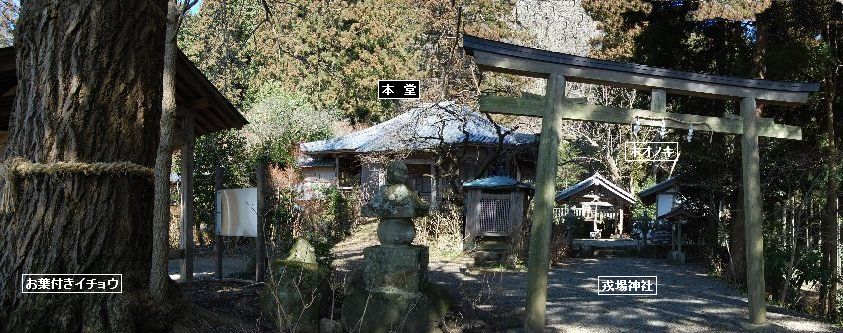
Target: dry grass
[441, 232]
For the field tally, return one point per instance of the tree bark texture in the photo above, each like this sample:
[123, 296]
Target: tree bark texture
[158, 279]
[89, 91]
[831, 231]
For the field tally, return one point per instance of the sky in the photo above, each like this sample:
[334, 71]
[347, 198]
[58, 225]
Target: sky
[196, 7]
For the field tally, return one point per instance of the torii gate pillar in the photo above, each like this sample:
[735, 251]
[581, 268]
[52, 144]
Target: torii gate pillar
[538, 258]
[752, 212]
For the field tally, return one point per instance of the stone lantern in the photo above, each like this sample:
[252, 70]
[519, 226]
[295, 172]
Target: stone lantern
[394, 294]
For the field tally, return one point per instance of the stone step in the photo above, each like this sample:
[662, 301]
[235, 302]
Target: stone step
[492, 246]
[487, 256]
[612, 253]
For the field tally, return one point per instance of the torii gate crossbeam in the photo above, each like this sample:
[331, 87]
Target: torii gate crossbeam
[558, 68]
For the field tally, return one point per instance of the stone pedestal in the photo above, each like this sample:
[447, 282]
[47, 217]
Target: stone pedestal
[382, 312]
[676, 257]
[393, 294]
[395, 267]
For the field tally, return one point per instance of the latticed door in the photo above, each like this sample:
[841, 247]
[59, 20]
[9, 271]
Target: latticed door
[495, 215]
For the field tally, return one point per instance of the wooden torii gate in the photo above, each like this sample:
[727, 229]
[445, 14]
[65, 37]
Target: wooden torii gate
[558, 68]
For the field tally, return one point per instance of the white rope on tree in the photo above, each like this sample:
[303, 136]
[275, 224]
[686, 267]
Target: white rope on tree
[16, 168]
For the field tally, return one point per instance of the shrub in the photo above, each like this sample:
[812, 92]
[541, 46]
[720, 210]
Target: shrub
[562, 235]
[807, 269]
[323, 222]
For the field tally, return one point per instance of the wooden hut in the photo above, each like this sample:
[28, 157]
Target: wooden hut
[663, 194]
[420, 138]
[494, 208]
[677, 218]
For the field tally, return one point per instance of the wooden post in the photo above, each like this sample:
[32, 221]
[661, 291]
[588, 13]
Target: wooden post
[752, 213]
[260, 247]
[472, 222]
[337, 169]
[218, 210]
[538, 260]
[516, 214]
[673, 236]
[620, 222]
[187, 197]
[434, 201]
[658, 100]
[679, 236]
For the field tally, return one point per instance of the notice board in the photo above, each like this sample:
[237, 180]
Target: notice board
[237, 212]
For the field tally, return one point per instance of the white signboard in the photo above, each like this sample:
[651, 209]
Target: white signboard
[237, 212]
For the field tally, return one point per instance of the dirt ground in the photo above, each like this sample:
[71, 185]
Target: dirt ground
[235, 261]
[232, 304]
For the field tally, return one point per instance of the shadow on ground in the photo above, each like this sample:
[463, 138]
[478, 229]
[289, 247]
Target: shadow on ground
[688, 300]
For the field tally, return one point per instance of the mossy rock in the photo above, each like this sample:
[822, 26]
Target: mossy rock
[294, 295]
[378, 312]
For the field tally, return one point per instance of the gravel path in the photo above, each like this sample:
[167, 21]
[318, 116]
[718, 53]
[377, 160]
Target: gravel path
[688, 300]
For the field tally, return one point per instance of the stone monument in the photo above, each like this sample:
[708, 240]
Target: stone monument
[393, 293]
[296, 290]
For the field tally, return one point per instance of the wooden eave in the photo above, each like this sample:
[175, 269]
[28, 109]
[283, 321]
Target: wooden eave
[195, 94]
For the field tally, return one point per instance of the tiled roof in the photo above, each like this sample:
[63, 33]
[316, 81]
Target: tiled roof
[424, 127]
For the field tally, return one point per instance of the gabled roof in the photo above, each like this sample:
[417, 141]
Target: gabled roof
[596, 181]
[648, 195]
[424, 127]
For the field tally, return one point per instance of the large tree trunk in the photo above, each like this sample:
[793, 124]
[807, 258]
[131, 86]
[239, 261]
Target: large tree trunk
[89, 91]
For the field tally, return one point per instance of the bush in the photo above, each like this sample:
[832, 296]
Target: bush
[279, 120]
[807, 270]
[323, 222]
[562, 235]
